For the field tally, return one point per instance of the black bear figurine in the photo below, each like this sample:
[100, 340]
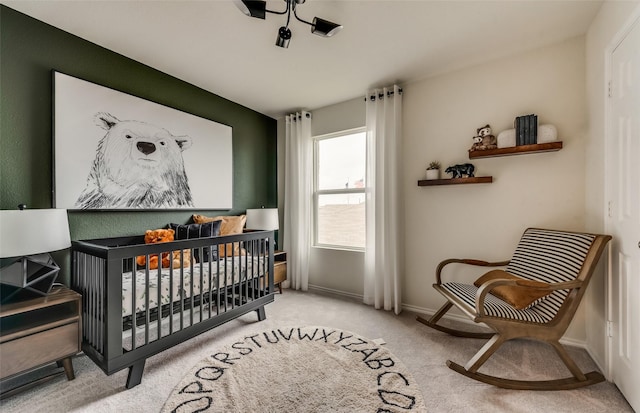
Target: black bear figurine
[462, 169]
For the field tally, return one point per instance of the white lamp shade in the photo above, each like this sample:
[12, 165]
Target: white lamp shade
[33, 231]
[263, 218]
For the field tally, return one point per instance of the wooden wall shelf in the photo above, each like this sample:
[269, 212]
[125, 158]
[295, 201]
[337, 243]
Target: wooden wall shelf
[517, 150]
[456, 181]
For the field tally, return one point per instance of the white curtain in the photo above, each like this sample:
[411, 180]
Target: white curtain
[297, 198]
[382, 257]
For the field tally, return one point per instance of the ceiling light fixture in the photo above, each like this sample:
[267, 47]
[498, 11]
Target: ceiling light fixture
[258, 9]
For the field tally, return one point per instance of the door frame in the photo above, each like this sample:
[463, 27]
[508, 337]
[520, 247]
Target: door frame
[609, 176]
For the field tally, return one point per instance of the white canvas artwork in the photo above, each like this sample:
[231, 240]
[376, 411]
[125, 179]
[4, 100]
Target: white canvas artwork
[115, 151]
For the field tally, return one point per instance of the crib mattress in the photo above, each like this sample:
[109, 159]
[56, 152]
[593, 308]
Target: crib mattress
[231, 270]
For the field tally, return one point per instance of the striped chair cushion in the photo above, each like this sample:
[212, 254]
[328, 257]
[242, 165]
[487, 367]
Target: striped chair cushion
[493, 306]
[541, 255]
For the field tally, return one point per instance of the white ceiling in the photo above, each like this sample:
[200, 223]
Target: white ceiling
[211, 44]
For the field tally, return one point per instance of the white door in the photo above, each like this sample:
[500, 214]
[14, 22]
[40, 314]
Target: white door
[624, 211]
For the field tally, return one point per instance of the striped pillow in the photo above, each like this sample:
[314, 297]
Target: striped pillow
[206, 230]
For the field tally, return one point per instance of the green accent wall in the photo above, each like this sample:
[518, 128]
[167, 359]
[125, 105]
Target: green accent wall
[31, 50]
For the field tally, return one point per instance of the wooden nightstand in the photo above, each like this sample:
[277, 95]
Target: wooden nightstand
[39, 331]
[279, 268]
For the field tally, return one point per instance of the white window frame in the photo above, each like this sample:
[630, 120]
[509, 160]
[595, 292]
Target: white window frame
[317, 192]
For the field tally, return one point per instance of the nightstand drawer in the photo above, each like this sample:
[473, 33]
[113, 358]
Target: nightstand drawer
[37, 349]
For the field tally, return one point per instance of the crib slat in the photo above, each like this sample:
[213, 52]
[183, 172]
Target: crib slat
[146, 297]
[233, 276]
[257, 271]
[191, 294]
[226, 292]
[93, 294]
[265, 270]
[218, 282]
[159, 295]
[210, 284]
[255, 261]
[89, 292]
[171, 298]
[242, 281]
[91, 300]
[92, 267]
[182, 297]
[134, 296]
[246, 275]
[100, 314]
[201, 255]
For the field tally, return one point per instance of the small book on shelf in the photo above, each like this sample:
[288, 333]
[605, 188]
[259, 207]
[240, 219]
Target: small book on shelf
[526, 128]
[519, 127]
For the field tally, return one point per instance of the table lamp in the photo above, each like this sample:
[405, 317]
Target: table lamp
[265, 219]
[29, 235]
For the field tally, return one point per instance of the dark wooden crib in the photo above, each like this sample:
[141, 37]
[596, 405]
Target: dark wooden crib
[130, 313]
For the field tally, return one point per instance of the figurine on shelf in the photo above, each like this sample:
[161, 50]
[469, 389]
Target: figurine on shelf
[483, 140]
[457, 171]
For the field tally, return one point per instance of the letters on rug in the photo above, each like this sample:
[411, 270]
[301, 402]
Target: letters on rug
[298, 369]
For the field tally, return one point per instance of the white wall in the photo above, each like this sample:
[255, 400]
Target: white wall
[339, 117]
[485, 221]
[602, 32]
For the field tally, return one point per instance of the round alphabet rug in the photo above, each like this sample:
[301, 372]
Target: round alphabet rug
[298, 369]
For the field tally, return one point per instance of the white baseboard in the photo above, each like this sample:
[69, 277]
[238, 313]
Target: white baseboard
[320, 289]
[457, 317]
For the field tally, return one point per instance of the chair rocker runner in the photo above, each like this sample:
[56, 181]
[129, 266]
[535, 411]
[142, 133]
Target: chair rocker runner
[536, 297]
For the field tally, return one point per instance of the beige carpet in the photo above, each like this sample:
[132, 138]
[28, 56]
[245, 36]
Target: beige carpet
[422, 350]
[318, 369]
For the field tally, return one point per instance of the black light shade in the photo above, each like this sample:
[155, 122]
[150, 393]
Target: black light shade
[252, 8]
[324, 28]
[284, 36]
[257, 8]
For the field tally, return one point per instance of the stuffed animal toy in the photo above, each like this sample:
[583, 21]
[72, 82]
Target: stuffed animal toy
[484, 140]
[462, 169]
[175, 259]
[163, 235]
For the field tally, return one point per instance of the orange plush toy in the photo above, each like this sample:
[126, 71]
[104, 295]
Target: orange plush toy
[153, 237]
[163, 235]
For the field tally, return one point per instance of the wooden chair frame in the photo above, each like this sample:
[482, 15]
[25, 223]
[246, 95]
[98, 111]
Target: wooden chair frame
[505, 329]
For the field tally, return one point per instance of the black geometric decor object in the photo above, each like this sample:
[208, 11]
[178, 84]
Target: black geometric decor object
[29, 277]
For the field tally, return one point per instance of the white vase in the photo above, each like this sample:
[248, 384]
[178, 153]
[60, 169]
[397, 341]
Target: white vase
[547, 133]
[433, 174]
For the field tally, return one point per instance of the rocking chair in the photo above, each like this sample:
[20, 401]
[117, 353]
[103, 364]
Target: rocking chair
[535, 297]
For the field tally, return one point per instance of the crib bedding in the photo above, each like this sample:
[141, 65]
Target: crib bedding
[236, 269]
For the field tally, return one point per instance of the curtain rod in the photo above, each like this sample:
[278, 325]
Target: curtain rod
[381, 95]
[296, 118]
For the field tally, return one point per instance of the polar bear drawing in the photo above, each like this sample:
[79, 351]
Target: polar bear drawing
[137, 165]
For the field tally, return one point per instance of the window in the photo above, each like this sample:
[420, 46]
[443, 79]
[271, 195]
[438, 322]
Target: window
[339, 196]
